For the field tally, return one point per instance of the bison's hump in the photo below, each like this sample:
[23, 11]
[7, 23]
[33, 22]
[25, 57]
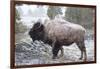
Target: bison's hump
[62, 24]
[63, 29]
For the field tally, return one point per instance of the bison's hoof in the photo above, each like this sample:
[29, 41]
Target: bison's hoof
[80, 58]
[85, 60]
[61, 55]
[54, 57]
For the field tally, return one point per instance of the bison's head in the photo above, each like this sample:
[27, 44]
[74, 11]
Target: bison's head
[37, 32]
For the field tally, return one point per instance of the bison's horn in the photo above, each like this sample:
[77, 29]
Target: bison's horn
[37, 25]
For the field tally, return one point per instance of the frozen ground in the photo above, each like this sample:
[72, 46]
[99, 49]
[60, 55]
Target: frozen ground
[28, 53]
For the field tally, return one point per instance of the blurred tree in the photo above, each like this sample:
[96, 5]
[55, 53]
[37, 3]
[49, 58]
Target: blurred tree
[83, 16]
[53, 11]
[19, 27]
[73, 14]
[17, 15]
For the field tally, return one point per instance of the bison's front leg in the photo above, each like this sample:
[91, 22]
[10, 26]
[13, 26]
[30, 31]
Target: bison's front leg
[55, 50]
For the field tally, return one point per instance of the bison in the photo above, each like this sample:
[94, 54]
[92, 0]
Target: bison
[58, 33]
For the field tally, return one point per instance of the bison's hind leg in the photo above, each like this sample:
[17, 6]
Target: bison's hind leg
[62, 51]
[81, 46]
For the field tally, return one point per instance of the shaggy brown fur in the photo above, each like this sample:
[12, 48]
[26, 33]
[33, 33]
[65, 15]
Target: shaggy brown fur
[66, 33]
[58, 33]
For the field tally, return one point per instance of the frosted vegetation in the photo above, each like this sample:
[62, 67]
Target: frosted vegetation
[27, 52]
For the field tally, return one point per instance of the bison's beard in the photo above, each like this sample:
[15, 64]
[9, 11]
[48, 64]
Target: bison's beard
[46, 40]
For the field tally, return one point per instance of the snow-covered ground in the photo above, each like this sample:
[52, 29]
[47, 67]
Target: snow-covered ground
[28, 53]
